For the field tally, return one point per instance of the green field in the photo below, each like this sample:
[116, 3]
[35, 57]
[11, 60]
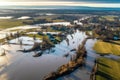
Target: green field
[37, 36]
[107, 69]
[106, 48]
[109, 18]
[8, 23]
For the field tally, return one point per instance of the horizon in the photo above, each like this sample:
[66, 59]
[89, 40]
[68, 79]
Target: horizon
[84, 3]
[39, 7]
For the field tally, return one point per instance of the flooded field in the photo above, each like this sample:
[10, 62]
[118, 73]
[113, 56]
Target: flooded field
[6, 17]
[83, 73]
[16, 65]
[59, 40]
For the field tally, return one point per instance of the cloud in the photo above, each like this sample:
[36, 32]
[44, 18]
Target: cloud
[93, 1]
[89, 3]
[62, 3]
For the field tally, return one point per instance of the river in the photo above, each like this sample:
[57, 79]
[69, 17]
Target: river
[23, 66]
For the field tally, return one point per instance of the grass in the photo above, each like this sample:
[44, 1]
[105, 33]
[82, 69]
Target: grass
[118, 42]
[37, 36]
[107, 69]
[109, 18]
[58, 38]
[95, 34]
[59, 20]
[8, 23]
[15, 30]
[49, 29]
[106, 48]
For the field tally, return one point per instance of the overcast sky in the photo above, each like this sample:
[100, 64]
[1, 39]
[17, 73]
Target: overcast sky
[89, 3]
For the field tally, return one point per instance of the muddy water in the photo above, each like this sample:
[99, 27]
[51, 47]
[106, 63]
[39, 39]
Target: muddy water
[23, 66]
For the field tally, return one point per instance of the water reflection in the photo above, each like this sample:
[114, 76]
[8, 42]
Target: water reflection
[23, 66]
[83, 73]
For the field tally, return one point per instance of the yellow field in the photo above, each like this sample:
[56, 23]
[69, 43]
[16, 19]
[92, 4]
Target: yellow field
[106, 48]
[108, 69]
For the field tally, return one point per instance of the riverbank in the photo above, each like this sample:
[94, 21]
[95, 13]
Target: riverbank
[94, 70]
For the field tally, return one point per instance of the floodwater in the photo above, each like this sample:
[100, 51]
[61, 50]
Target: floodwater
[83, 73]
[16, 65]
[56, 23]
[24, 17]
[21, 28]
[25, 40]
[6, 17]
[13, 30]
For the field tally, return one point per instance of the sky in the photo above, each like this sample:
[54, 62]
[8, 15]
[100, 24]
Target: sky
[88, 3]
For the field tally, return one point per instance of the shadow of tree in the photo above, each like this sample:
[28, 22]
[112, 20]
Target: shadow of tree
[103, 64]
[105, 75]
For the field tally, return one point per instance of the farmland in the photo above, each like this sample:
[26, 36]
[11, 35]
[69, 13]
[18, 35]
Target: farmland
[108, 69]
[106, 48]
[9, 23]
